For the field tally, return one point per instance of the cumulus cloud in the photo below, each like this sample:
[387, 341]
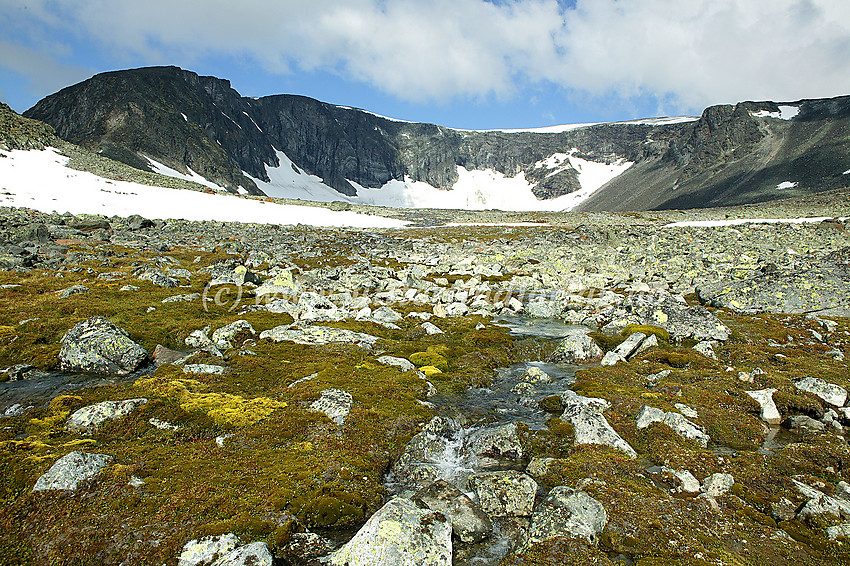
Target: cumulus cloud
[694, 53]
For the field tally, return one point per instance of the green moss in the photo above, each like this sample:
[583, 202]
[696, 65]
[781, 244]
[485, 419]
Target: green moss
[423, 359]
[647, 329]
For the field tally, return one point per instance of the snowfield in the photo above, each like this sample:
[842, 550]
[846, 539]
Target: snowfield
[40, 180]
[474, 190]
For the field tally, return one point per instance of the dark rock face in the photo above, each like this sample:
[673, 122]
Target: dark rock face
[731, 155]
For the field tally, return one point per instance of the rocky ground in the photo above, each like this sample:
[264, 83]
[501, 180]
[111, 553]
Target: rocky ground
[189, 393]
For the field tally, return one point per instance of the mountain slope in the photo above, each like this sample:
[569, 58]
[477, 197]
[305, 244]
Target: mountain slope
[174, 121]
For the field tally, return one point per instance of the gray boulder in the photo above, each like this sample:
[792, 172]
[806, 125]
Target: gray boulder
[678, 422]
[254, 554]
[334, 403]
[224, 336]
[318, 335]
[157, 277]
[199, 339]
[499, 443]
[717, 484]
[576, 349]
[469, 522]
[505, 493]
[403, 364]
[87, 419]
[399, 534]
[203, 551]
[568, 513]
[769, 411]
[591, 427]
[674, 315]
[829, 392]
[70, 470]
[98, 346]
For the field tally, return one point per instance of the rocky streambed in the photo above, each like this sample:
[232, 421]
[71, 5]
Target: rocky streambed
[602, 389]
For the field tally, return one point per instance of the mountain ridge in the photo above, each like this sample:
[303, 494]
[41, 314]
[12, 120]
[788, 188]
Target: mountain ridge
[732, 154]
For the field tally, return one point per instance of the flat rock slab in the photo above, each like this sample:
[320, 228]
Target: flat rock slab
[399, 534]
[98, 346]
[678, 422]
[505, 493]
[319, 335]
[70, 470]
[334, 403]
[87, 419]
[591, 427]
[568, 513]
[829, 392]
[769, 412]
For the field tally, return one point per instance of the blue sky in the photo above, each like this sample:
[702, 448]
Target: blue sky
[460, 63]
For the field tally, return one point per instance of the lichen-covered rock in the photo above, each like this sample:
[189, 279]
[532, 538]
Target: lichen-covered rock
[500, 443]
[576, 349]
[224, 336]
[201, 552]
[200, 339]
[568, 513]
[317, 335]
[675, 316]
[87, 419]
[399, 534]
[829, 392]
[334, 403]
[303, 547]
[254, 554]
[706, 348]
[681, 481]
[678, 422]
[403, 364]
[469, 522]
[157, 277]
[205, 368]
[96, 345]
[535, 375]
[70, 470]
[769, 412]
[505, 493]
[591, 427]
[717, 484]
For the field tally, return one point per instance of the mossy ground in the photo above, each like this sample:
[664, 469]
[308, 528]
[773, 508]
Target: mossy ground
[285, 467]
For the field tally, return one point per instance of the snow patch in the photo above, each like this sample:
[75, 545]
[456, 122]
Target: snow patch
[846, 172]
[252, 120]
[376, 115]
[184, 117]
[786, 185]
[194, 177]
[40, 180]
[785, 113]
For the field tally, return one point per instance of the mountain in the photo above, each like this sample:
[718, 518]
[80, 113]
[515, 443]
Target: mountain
[174, 121]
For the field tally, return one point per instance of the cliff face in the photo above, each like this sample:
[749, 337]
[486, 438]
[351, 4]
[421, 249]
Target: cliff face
[186, 121]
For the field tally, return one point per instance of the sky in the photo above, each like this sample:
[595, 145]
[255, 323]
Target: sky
[474, 64]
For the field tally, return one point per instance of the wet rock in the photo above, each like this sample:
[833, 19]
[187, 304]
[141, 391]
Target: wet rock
[829, 392]
[399, 534]
[201, 552]
[87, 419]
[769, 412]
[98, 346]
[335, 403]
[18, 372]
[591, 427]
[504, 493]
[803, 421]
[224, 336]
[469, 522]
[70, 470]
[317, 335]
[576, 349]
[717, 484]
[535, 375]
[500, 443]
[568, 513]
[678, 422]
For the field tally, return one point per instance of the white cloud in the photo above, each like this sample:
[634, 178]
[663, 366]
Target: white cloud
[693, 53]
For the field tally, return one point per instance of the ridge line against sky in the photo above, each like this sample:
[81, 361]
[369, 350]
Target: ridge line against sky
[471, 64]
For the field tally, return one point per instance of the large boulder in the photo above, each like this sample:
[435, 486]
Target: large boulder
[505, 493]
[674, 315]
[591, 427]
[497, 443]
[254, 554]
[399, 534]
[98, 346]
[567, 513]
[576, 349]
[769, 411]
[829, 392]
[70, 470]
[469, 522]
[87, 419]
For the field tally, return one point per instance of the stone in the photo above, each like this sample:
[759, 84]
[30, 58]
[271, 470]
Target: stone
[187, 298]
[73, 290]
[687, 411]
[96, 345]
[318, 335]
[769, 412]
[836, 531]
[653, 379]
[385, 315]
[88, 419]
[717, 484]
[157, 277]
[576, 349]
[201, 552]
[500, 442]
[803, 421]
[674, 315]
[399, 534]
[469, 522]
[403, 364]
[535, 375]
[334, 403]
[282, 283]
[504, 493]
[678, 422]
[682, 481]
[430, 328]
[591, 427]
[829, 392]
[224, 336]
[70, 470]
[254, 554]
[303, 547]
[628, 346]
[568, 513]
[706, 348]
[205, 368]
[200, 340]
[162, 355]
[820, 504]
